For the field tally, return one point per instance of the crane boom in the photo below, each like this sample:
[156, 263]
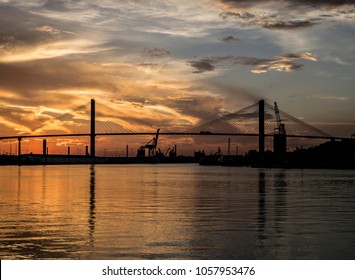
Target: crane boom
[277, 115]
[151, 146]
[156, 138]
[280, 129]
[280, 141]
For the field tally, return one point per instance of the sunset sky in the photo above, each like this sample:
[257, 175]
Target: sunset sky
[176, 62]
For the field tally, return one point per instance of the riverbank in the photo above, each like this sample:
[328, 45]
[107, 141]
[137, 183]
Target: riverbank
[35, 159]
[329, 155]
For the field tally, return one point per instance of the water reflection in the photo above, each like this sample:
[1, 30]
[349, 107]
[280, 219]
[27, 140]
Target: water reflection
[167, 211]
[261, 204]
[280, 187]
[18, 187]
[44, 183]
[282, 234]
[91, 219]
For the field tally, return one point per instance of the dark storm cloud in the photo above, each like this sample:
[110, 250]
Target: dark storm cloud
[297, 24]
[246, 15]
[282, 63]
[270, 22]
[155, 52]
[209, 64]
[230, 39]
[290, 15]
[203, 65]
[320, 3]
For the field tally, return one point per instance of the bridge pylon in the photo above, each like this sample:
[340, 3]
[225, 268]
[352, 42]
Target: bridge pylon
[261, 128]
[92, 129]
[19, 146]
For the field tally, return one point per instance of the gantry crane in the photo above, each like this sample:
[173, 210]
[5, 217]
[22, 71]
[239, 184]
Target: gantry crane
[171, 151]
[280, 145]
[151, 146]
[280, 129]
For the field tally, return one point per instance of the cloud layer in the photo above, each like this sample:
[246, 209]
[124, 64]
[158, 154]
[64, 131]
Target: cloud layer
[136, 58]
[285, 14]
[282, 63]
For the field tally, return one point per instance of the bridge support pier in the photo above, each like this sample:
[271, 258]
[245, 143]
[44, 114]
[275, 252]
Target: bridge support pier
[19, 150]
[19, 146]
[92, 129]
[44, 147]
[261, 128]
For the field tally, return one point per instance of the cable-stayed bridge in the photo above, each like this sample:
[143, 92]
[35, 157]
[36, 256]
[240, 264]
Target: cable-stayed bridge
[259, 120]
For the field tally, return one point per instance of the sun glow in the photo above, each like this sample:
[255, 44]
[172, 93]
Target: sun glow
[51, 50]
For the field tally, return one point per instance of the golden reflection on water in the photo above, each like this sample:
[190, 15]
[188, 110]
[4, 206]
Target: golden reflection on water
[174, 211]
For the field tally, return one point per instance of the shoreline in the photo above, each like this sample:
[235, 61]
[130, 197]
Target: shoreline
[35, 159]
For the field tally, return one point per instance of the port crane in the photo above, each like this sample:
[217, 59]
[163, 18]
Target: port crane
[280, 145]
[280, 129]
[151, 146]
[170, 151]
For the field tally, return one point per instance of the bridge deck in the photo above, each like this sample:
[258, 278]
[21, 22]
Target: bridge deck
[165, 133]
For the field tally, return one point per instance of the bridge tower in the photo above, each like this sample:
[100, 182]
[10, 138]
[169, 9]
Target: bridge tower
[261, 128]
[92, 129]
[19, 146]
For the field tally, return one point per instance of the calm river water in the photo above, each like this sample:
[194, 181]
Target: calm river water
[175, 212]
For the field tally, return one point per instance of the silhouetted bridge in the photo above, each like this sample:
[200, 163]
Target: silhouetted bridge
[259, 119]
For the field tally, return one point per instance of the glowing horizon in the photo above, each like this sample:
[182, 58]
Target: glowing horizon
[176, 63]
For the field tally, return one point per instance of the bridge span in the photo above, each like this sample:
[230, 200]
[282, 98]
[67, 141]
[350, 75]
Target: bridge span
[212, 128]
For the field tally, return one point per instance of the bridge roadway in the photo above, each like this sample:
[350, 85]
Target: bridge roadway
[206, 133]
